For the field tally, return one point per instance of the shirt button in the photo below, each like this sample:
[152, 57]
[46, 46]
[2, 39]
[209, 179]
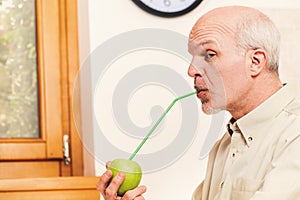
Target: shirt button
[222, 184]
[233, 154]
[250, 139]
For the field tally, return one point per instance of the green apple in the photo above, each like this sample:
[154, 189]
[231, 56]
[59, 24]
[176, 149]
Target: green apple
[133, 173]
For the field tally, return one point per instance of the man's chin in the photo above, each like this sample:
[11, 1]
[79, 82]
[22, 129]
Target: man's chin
[209, 110]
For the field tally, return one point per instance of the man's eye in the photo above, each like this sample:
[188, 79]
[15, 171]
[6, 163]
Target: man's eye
[210, 55]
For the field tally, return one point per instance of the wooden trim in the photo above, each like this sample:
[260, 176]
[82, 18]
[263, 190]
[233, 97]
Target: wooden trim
[65, 169]
[19, 151]
[38, 184]
[41, 73]
[48, 32]
[28, 169]
[64, 188]
[73, 63]
[53, 194]
[21, 140]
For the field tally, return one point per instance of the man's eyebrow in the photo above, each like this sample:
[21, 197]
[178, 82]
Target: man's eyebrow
[194, 44]
[204, 42]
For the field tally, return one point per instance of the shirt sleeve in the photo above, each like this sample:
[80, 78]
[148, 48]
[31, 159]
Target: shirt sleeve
[283, 180]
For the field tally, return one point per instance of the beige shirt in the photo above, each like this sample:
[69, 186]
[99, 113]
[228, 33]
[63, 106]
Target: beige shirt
[261, 160]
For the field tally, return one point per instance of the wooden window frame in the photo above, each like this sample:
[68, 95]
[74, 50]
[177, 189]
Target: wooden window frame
[58, 65]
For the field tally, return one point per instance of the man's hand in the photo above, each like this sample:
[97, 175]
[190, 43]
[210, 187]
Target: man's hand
[109, 192]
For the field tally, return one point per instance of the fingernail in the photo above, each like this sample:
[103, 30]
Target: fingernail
[108, 173]
[144, 188]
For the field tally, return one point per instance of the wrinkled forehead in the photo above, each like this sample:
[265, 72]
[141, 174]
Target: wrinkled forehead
[211, 33]
[200, 46]
[214, 26]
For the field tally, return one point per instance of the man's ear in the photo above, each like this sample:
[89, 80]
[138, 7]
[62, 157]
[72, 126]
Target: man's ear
[258, 61]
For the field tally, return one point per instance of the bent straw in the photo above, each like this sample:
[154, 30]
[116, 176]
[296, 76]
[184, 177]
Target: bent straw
[158, 121]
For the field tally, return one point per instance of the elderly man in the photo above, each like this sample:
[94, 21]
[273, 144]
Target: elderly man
[235, 68]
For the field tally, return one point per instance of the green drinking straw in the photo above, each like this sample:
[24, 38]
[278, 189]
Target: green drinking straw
[158, 121]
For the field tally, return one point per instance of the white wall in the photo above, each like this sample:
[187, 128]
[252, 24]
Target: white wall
[99, 21]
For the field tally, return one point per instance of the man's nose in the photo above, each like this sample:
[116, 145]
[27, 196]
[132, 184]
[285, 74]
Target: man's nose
[192, 70]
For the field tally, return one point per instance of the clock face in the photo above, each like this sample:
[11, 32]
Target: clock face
[167, 8]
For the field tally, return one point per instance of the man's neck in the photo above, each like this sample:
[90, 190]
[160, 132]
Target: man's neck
[260, 92]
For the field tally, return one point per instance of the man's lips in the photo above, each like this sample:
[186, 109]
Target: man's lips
[200, 89]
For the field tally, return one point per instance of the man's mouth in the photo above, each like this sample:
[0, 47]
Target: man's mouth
[200, 89]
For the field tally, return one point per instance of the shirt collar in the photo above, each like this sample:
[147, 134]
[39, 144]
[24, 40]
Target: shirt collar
[250, 123]
[231, 126]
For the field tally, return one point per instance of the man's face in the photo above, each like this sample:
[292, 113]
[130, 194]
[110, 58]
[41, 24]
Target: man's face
[217, 67]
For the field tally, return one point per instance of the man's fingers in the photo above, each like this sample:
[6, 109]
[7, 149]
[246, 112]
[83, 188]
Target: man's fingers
[139, 198]
[115, 184]
[110, 191]
[107, 164]
[104, 179]
[135, 193]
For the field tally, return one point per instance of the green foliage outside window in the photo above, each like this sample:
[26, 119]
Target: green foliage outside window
[18, 70]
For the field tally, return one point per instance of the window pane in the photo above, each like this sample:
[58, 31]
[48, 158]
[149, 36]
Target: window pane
[18, 70]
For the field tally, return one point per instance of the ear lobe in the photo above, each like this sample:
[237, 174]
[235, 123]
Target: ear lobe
[258, 61]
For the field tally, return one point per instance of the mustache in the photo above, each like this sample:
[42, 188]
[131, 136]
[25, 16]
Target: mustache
[200, 87]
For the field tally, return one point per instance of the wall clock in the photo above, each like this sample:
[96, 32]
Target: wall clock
[167, 8]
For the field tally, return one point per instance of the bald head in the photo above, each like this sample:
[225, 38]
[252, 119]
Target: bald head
[226, 17]
[247, 27]
[235, 59]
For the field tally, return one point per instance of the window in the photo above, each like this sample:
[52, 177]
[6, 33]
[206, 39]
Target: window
[18, 70]
[39, 63]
